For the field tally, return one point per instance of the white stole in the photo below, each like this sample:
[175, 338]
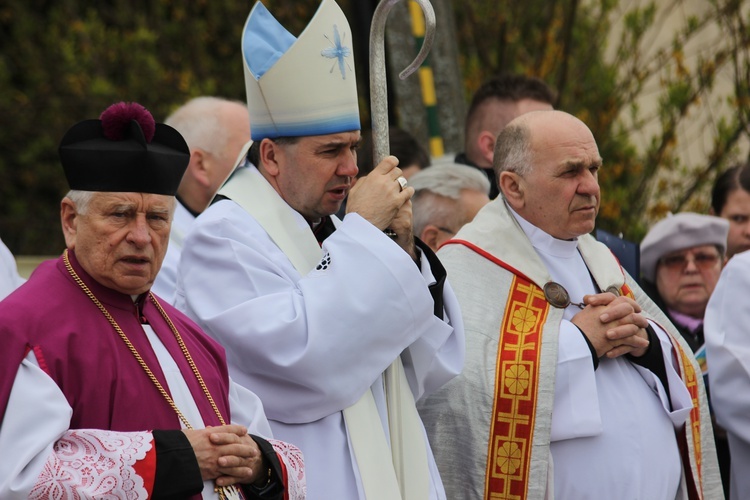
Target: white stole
[401, 472]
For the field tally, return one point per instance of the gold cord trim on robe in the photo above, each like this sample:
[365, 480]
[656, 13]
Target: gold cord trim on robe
[224, 492]
[690, 379]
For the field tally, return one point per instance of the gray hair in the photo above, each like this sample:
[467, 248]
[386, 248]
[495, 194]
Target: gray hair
[199, 122]
[513, 150]
[82, 199]
[438, 190]
[449, 179]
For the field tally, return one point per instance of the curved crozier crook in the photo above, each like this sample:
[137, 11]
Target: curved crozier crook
[378, 84]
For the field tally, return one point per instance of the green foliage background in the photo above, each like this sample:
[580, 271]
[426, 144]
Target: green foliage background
[63, 61]
[602, 56]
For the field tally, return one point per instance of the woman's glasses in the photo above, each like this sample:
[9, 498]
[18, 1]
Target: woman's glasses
[701, 260]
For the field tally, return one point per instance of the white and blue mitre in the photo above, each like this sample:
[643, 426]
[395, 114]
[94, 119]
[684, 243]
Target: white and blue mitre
[300, 86]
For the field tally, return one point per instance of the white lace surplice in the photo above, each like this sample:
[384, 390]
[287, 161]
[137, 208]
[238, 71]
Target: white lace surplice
[55, 462]
[96, 463]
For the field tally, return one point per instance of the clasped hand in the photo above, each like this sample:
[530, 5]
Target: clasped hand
[227, 454]
[613, 325]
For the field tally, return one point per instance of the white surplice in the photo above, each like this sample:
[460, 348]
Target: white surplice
[165, 284]
[310, 346]
[726, 326]
[9, 278]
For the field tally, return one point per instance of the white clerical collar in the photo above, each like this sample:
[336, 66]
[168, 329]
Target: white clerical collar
[544, 242]
[563, 262]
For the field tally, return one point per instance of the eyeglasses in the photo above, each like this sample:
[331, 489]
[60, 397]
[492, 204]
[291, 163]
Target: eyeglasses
[701, 260]
[445, 230]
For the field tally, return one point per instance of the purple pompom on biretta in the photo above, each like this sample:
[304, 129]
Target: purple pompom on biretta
[124, 151]
[116, 120]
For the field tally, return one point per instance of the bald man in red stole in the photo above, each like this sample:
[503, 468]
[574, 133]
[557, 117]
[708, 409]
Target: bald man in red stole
[576, 386]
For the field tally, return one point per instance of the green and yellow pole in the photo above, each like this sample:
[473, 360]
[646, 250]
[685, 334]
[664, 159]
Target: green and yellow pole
[427, 83]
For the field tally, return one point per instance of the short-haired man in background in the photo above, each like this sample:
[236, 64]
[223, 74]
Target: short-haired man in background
[495, 104]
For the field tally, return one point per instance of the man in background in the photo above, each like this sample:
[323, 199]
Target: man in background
[445, 198]
[215, 130]
[495, 104]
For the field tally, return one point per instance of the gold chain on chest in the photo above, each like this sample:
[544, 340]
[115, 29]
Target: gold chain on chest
[222, 491]
[137, 355]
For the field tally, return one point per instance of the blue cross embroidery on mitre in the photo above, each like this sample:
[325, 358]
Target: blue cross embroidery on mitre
[337, 51]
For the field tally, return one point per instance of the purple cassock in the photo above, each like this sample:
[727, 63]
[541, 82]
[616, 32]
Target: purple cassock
[79, 349]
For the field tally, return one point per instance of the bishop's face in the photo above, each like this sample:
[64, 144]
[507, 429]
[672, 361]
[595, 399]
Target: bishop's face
[120, 238]
[314, 174]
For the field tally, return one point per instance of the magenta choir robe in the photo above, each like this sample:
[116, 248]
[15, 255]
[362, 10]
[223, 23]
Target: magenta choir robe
[53, 316]
[75, 344]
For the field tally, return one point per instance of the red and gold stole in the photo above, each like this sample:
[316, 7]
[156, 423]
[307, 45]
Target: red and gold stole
[692, 462]
[516, 396]
[516, 388]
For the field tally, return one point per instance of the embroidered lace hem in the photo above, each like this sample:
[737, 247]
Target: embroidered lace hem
[94, 464]
[295, 467]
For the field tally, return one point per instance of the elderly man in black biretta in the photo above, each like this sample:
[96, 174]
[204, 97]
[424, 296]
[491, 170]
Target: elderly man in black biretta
[94, 368]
